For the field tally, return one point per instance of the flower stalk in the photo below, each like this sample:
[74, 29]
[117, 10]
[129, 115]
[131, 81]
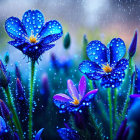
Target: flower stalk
[110, 113]
[31, 98]
[130, 71]
[115, 105]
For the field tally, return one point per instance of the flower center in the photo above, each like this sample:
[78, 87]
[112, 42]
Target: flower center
[107, 68]
[76, 101]
[32, 39]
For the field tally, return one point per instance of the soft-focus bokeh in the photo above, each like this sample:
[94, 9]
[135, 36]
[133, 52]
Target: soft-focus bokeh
[102, 19]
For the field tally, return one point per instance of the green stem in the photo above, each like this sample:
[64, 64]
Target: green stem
[130, 92]
[91, 85]
[31, 99]
[110, 113]
[15, 116]
[115, 105]
[126, 103]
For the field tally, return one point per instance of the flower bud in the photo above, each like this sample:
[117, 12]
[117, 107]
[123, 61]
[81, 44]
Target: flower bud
[17, 71]
[6, 58]
[85, 43]
[55, 62]
[45, 92]
[67, 41]
[4, 78]
[4, 110]
[133, 46]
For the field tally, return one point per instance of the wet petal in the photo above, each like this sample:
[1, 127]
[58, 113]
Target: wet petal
[33, 20]
[50, 28]
[94, 76]
[97, 52]
[35, 51]
[82, 86]
[38, 135]
[122, 64]
[50, 38]
[113, 79]
[2, 125]
[16, 43]
[72, 89]
[90, 95]
[62, 97]
[14, 28]
[62, 105]
[137, 81]
[117, 50]
[135, 96]
[68, 134]
[91, 69]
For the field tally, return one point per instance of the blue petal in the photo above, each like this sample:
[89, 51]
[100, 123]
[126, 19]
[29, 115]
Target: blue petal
[97, 52]
[122, 64]
[50, 28]
[32, 51]
[137, 82]
[63, 106]
[92, 70]
[113, 79]
[69, 107]
[50, 38]
[33, 22]
[117, 50]
[16, 43]
[2, 125]
[14, 28]
[68, 134]
[38, 135]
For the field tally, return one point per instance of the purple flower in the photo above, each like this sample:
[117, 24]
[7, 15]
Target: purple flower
[76, 100]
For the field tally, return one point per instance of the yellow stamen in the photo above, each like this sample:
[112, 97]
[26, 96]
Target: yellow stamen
[107, 68]
[33, 39]
[76, 101]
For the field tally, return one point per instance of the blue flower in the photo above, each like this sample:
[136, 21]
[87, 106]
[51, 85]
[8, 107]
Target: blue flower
[31, 35]
[107, 63]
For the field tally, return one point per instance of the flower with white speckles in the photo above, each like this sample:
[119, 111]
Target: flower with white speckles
[30, 35]
[107, 63]
[77, 99]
